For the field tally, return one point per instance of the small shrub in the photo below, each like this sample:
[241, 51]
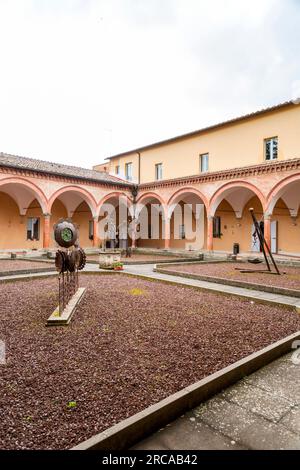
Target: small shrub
[71, 404]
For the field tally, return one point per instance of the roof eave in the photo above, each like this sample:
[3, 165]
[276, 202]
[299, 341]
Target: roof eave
[64, 175]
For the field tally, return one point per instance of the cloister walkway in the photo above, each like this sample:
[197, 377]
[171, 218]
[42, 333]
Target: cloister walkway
[261, 412]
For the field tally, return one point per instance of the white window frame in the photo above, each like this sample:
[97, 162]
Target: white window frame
[128, 174]
[271, 140]
[204, 157]
[158, 171]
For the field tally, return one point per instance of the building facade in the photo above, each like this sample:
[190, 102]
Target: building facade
[251, 161]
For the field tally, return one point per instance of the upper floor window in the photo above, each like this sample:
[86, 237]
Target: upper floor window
[204, 162]
[33, 228]
[128, 171]
[158, 171]
[271, 148]
[117, 169]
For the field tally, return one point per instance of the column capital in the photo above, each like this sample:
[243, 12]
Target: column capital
[47, 215]
[267, 216]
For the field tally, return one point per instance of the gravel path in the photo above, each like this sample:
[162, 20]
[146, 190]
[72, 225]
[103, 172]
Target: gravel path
[131, 343]
[140, 257]
[20, 265]
[289, 280]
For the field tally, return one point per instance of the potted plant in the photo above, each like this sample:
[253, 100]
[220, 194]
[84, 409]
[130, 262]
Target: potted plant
[118, 266]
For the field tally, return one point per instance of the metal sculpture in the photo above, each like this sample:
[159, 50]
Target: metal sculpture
[68, 261]
[265, 249]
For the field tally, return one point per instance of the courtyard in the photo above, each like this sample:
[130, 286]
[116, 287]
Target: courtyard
[131, 343]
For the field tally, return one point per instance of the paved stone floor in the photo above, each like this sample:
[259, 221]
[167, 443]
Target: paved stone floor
[262, 411]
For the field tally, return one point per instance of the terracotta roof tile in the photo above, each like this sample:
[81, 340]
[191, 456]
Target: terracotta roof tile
[41, 166]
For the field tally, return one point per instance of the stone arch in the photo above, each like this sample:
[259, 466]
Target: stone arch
[113, 195]
[227, 192]
[173, 200]
[287, 190]
[145, 198]
[71, 205]
[24, 192]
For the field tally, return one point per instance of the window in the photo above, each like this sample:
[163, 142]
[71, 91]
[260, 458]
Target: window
[181, 232]
[33, 228]
[128, 171]
[204, 162]
[91, 229]
[158, 171]
[117, 169]
[271, 148]
[217, 227]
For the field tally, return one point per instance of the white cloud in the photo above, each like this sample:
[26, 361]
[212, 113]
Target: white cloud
[72, 70]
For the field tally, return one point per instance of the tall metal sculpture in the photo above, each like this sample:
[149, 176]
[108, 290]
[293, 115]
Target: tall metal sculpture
[265, 247]
[68, 261]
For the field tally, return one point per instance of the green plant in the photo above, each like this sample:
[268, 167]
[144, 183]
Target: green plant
[118, 264]
[71, 404]
[28, 418]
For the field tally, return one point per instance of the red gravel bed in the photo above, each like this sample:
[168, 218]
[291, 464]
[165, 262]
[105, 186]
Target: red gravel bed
[20, 265]
[290, 280]
[131, 343]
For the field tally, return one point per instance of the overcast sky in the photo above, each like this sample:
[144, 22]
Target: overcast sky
[83, 79]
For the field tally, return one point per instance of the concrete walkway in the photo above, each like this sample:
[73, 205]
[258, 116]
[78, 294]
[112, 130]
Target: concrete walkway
[147, 271]
[262, 411]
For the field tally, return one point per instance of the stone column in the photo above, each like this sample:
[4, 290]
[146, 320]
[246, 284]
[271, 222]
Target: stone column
[267, 229]
[46, 233]
[209, 241]
[95, 232]
[133, 234]
[167, 232]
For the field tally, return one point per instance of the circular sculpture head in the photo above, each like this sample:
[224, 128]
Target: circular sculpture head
[65, 233]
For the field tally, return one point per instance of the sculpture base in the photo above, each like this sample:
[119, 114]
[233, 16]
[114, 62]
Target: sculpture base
[64, 319]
